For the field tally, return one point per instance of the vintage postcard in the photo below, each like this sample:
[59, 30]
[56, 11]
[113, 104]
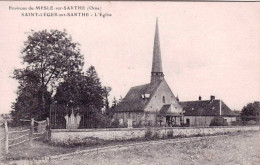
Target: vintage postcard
[133, 82]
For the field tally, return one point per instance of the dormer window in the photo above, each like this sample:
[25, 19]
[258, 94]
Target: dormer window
[145, 96]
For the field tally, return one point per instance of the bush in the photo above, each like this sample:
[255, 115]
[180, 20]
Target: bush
[115, 123]
[235, 123]
[170, 134]
[148, 134]
[218, 121]
[155, 136]
[251, 122]
[138, 125]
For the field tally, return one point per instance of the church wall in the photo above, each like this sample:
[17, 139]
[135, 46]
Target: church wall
[150, 118]
[156, 103]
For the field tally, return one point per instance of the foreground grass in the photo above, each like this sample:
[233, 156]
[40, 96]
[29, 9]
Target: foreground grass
[243, 148]
[36, 151]
[40, 150]
[208, 151]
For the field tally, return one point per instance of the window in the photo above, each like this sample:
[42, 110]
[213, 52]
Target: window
[163, 99]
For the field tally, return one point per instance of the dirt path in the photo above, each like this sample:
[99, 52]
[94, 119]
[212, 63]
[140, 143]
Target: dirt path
[239, 149]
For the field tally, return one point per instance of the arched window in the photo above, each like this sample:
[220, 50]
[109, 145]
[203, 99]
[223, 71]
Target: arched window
[163, 99]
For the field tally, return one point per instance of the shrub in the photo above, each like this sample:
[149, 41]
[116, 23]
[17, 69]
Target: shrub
[251, 122]
[170, 134]
[155, 135]
[218, 121]
[115, 123]
[234, 123]
[148, 134]
[138, 125]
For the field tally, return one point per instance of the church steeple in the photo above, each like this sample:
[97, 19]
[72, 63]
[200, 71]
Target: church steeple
[157, 73]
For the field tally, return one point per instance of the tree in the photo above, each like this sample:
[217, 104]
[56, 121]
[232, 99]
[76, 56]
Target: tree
[83, 92]
[251, 112]
[49, 56]
[73, 91]
[96, 91]
[29, 99]
[114, 102]
[113, 107]
[106, 94]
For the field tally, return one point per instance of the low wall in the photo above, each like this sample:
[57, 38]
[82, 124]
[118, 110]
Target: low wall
[84, 135]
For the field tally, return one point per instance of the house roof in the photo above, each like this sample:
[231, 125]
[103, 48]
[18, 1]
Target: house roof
[133, 100]
[206, 108]
[166, 111]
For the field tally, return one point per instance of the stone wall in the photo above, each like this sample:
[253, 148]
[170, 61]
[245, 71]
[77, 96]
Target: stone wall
[84, 135]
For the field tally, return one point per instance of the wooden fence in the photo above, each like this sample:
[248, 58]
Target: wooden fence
[17, 137]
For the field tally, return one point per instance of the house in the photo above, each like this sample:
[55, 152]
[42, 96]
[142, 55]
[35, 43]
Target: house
[201, 112]
[152, 103]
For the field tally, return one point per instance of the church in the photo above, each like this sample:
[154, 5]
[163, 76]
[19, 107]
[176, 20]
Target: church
[153, 103]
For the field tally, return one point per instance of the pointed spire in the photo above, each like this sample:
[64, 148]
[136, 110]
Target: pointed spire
[157, 72]
[157, 62]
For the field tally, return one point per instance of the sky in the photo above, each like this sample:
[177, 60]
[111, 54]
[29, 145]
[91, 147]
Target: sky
[210, 48]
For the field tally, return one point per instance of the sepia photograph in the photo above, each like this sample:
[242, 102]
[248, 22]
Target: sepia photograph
[129, 82]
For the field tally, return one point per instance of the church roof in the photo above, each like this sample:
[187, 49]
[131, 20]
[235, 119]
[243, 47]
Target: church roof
[166, 111]
[206, 108]
[137, 98]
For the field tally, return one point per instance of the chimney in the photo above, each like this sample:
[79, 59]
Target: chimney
[220, 108]
[212, 98]
[199, 97]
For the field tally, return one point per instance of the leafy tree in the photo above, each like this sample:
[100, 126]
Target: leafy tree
[114, 102]
[29, 99]
[48, 57]
[81, 89]
[96, 91]
[251, 112]
[84, 92]
[106, 94]
[73, 91]
[111, 111]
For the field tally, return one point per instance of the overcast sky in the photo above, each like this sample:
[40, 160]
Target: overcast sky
[207, 48]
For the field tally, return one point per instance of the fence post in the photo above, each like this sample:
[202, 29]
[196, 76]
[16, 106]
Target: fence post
[6, 137]
[32, 131]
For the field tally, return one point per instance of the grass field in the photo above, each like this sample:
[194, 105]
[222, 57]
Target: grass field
[242, 148]
[26, 151]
